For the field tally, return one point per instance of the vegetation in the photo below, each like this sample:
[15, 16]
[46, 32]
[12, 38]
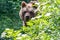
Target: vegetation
[46, 27]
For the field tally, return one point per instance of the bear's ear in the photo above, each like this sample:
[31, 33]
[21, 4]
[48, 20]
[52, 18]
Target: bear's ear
[23, 4]
[32, 2]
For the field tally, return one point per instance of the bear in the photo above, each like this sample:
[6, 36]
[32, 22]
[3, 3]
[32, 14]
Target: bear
[27, 12]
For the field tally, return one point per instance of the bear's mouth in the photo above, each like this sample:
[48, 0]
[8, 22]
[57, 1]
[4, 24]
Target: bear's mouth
[27, 18]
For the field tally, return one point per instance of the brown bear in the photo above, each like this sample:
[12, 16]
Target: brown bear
[27, 12]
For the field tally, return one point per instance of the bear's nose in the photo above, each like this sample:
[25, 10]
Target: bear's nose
[27, 18]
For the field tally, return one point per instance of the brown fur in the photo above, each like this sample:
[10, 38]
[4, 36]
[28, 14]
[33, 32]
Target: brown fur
[27, 12]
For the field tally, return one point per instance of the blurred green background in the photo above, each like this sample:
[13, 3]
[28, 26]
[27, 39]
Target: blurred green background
[9, 14]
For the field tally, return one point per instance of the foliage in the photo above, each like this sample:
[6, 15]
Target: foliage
[47, 27]
[9, 17]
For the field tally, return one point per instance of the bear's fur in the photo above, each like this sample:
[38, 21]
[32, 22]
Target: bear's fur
[27, 12]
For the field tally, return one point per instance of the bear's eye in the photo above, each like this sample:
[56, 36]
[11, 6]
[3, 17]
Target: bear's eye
[31, 12]
[24, 12]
